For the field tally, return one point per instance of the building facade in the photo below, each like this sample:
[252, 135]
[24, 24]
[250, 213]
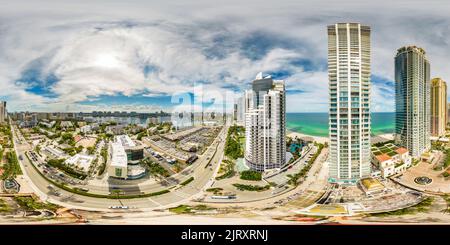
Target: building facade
[134, 151]
[349, 108]
[265, 124]
[3, 113]
[118, 167]
[448, 112]
[412, 100]
[389, 160]
[240, 111]
[438, 111]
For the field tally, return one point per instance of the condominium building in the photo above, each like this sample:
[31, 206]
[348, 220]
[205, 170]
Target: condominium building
[3, 113]
[349, 109]
[448, 112]
[412, 100]
[438, 112]
[265, 124]
[240, 110]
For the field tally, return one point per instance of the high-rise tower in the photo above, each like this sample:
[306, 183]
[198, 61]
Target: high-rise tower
[3, 113]
[438, 112]
[412, 99]
[349, 114]
[265, 124]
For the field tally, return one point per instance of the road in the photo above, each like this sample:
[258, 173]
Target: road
[177, 195]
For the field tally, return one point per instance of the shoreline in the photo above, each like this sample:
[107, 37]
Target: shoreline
[319, 139]
[323, 139]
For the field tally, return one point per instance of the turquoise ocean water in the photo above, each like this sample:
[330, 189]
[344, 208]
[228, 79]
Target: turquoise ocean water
[316, 124]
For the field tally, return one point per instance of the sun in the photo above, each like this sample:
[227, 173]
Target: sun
[106, 60]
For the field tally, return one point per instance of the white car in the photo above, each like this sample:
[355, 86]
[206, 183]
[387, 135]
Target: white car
[118, 207]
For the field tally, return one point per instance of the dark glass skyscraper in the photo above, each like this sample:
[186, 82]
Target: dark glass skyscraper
[412, 99]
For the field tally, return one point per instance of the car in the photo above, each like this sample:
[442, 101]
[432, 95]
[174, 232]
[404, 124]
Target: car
[118, 207]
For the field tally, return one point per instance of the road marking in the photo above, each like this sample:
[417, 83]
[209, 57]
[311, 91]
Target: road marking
[155, 202]
[181, 194]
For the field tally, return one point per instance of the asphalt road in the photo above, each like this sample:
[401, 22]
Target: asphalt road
[202, 177]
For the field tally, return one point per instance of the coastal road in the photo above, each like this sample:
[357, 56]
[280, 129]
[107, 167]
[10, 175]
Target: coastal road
[202, 177]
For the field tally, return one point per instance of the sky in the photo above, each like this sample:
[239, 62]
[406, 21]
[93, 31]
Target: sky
[148, 56]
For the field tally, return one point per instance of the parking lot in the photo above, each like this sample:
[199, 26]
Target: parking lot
[51, 172]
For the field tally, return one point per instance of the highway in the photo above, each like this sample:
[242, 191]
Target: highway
[177, 195]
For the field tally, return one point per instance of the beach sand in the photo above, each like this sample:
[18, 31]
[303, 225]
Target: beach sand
[320, 139]
[381, 138]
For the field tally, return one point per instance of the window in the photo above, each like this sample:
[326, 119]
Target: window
[118, 172]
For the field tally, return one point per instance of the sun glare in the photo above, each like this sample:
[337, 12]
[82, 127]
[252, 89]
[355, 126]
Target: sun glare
[107, 60]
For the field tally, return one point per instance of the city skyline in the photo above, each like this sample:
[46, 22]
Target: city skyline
[106, 74]
[225, 113]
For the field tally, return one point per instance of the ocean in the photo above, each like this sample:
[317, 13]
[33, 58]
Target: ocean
[316, 124]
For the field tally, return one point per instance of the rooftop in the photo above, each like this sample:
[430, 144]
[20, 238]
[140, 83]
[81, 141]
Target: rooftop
[181, 134]
[401, 150]
[383, 157]
[125, 141]
[413, 48]
[371, 184]
[82, 161]
[119, 156]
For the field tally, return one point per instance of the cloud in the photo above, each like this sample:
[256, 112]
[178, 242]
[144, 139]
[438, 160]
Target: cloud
[72, 55]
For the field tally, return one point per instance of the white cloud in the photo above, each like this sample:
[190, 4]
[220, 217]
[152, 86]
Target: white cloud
[100, 48]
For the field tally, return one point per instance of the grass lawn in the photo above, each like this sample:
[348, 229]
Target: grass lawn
[30, 204]
[186, 209]
[4, 208]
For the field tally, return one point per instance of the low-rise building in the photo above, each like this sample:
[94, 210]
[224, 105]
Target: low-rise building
[390, 159]
[135, 151]
[81, 123]
[371, 186]
[27, 124]
[54, 152]
[80, 162]
[119, 164]
[66, 124]
[427, 157]
[47, 124]
[86, 129]
[169, 148]
[116, 129]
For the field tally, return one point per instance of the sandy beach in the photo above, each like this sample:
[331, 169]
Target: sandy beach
[320, 139]
[381, 138]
